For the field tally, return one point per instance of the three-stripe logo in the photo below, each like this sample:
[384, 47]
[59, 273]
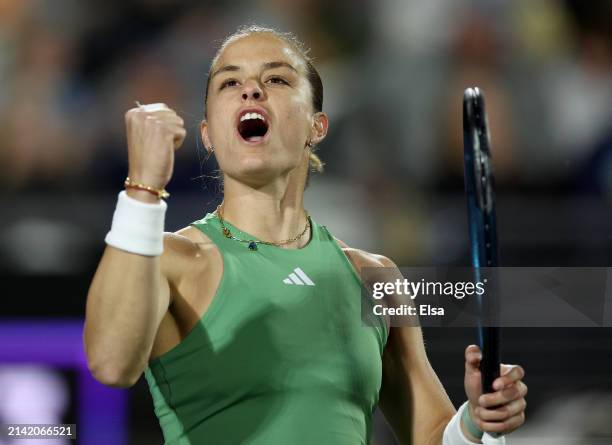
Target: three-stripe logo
[299, 277]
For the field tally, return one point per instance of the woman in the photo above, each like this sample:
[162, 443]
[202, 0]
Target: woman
[247, 323]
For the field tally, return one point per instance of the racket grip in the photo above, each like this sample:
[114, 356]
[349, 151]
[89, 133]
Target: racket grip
[491, 358]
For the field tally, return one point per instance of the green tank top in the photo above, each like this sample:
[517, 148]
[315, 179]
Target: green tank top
[280, 357]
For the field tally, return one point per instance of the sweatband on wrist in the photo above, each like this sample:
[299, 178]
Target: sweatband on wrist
[469, 423]
[138, 227]
[453, 434]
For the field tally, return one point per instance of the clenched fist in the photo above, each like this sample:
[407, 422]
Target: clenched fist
[154, 131]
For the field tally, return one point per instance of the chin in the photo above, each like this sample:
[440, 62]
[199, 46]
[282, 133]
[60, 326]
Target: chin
[259, 164]
[255, 171]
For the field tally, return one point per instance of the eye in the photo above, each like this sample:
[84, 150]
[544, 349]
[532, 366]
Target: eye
[277, 80]
[228, 83]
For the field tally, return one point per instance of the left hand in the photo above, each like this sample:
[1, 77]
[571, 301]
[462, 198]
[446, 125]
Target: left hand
[501, 411]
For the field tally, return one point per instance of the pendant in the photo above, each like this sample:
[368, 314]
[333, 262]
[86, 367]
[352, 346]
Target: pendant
[253, 245]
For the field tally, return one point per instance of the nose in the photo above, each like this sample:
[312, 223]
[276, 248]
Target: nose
[252, 90]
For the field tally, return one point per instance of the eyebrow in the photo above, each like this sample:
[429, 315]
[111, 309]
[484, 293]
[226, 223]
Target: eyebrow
[265, 66]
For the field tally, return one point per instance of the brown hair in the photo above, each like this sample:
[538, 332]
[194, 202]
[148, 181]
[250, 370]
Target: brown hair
[314, 79]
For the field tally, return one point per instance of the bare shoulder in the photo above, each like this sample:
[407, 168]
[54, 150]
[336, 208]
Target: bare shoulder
[386, 270]
[380, 268]
[360, 258]
[185, 248]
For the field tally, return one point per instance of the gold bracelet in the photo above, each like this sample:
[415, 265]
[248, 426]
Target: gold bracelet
[160, 193]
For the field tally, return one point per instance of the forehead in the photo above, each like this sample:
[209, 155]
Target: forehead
[256, 49]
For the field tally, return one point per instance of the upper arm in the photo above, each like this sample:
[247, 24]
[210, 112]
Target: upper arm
[412, 398]
[177, 249]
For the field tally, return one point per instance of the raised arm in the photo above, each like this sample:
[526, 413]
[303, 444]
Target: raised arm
[130, 292]
[127, 300]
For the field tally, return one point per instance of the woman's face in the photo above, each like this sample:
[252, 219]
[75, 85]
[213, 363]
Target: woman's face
[259, 110]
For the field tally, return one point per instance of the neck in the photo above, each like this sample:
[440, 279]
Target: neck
[273, 212]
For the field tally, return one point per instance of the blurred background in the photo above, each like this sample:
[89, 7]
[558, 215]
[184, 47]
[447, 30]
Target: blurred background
[394, 72]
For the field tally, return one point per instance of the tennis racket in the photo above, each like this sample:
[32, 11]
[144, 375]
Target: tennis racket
[479, 187]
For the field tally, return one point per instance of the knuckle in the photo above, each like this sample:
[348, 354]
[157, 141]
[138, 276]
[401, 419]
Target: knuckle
[131, 115]
[493, 427]
[512, 372]
[479, 424]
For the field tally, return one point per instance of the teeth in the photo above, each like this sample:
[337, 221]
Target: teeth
[252, 116]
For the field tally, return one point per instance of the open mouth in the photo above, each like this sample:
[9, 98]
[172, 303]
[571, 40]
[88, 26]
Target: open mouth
[252, 127]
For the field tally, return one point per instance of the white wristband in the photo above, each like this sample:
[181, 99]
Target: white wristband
[138, 227]
[453, 435]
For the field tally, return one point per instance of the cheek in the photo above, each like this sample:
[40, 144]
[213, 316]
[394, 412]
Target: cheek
[296, 116]
[219, 127]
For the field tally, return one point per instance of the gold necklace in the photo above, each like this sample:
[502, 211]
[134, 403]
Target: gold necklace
[252, 243]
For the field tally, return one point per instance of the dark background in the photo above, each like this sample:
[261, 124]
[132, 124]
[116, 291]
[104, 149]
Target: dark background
[394, 73]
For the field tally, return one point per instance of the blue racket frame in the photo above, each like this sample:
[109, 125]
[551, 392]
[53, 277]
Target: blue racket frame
[480, 193]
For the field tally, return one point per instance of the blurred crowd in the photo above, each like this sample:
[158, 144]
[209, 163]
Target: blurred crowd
[394, 73]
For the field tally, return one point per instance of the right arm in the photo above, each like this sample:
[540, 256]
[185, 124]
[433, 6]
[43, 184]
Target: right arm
[130, 293]
[127, 300]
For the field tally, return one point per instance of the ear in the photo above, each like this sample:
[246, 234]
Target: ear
[320, 124]
[204, 135]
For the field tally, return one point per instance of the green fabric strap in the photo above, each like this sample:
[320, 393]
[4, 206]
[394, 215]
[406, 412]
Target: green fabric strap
[469, 423]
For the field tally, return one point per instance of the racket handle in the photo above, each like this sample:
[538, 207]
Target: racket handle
[491, 357]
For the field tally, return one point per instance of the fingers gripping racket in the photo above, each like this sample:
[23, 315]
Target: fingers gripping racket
[479, 187]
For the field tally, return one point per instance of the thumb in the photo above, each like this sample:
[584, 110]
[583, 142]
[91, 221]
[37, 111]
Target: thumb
[473, 356]
[473, 378]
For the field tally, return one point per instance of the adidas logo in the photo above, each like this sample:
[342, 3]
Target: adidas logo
[299, 277]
